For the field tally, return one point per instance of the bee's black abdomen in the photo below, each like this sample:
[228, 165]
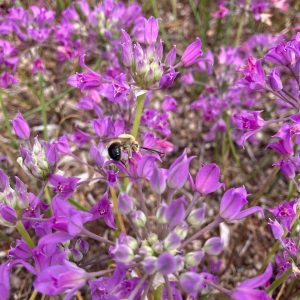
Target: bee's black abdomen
[114, 151]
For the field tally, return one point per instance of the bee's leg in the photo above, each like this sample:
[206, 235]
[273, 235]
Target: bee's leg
[129, 151]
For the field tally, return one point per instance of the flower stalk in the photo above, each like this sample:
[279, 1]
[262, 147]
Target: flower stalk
[24, 233]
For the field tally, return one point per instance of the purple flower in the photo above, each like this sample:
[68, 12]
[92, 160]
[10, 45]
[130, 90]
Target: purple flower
[254, 74]
[179, 171]
[175, 212]
[207, 179]
[7, 80]
[248, 120]
[233, 201]
[67, 218]
[283, 54]
[277, 230]
[85, 81]
[167, 79]
[214, 246]
[171, 57]
[38, 66]
[158, 179]
[102, 210]
[151, 30]
[67, 278]
[169, 104]
[127, 52]
[285, 212]
[192, 53]
[166, 263]
[197, 216]
[287, 167]
[194, 258]
[8, 215]
[63, 187]
[21, 250]
[275, 81]
[246, 290]
[4, 280]
[193, 283]
[115, 287]
[21, 127]
[290, 245]
[283, 264]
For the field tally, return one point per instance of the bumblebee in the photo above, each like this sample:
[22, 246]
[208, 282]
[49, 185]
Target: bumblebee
[125, 142]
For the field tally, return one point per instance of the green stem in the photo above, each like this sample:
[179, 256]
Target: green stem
[55, 99]
[242, 22]
[231, 144]
[43, 106]
[25, 235]
[138, 114]
[158, 292]
[76, 204]
[279, 280]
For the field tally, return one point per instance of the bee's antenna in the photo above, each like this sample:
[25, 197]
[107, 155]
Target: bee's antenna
[153, 150]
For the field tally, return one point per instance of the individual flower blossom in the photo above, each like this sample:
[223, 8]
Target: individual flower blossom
[67, 218]
[171, 57]
[56, 149]
[103, 210]
[85, 81]
[248, 288]
[197, 216]
[179, 171]
[287, 167]
[21, 127]
[248, 120]
[151, 30]
[214, 246]
[194, 258]
[193, 283]
[168, 78]
[282, 264]
[232, 203]
[55, 280]
[285, 213]
[21, 250]
[192, 53]
[63, 187]
[158, 180]
[290, 245]
[8, 216]
[275, 81]
[38, 66]
[166, 263]
[116, 286]
[254, 75]
[169, 104]
[175, 212]
[207, 179]
[221, 12]
[277, 230]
